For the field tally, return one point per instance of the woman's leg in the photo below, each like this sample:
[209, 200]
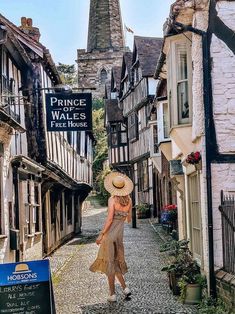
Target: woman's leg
[121, 280]
[111, 281]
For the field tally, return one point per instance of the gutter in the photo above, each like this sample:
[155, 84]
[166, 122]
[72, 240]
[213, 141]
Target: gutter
[209, 141]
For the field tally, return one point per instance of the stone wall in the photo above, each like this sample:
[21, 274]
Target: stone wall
[225, 284]
[105, 25]
[90, 66]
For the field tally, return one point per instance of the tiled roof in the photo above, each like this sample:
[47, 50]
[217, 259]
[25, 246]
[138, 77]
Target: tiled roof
[21, 39]
[127, 58]
[116, 76]
[148, 50]
[113, 112]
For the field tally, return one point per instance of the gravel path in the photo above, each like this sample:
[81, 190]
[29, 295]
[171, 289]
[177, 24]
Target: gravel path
[77, 290]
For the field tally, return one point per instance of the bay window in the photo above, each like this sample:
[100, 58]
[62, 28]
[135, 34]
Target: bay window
[179, 80]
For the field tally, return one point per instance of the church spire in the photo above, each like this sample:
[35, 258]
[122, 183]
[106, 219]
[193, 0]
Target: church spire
[105, 26]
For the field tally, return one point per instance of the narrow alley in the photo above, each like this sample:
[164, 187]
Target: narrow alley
[77, 290]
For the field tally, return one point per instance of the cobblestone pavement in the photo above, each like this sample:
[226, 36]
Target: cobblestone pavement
[77, 290]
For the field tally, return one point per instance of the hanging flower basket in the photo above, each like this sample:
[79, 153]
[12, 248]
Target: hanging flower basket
[195, 159]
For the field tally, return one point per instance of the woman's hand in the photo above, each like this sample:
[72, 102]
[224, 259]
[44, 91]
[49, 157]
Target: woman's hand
[99, 239]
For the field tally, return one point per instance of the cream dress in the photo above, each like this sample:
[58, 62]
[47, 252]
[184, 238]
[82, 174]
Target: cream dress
[110, 258]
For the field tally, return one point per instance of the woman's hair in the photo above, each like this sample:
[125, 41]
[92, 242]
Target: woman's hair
[123, 200]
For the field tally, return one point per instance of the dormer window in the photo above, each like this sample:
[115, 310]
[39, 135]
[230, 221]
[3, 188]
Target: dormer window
[103, 76]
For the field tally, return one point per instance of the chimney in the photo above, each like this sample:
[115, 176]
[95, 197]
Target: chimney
[28, 28]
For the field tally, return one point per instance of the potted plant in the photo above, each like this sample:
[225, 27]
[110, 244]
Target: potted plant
[143, 210]
[175, 267]
[191, 287]
[192, 281]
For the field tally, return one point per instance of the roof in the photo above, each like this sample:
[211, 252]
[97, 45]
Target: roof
[21, 39]
[113, 112]
[148, 50]
[127, 61]
[116, 77]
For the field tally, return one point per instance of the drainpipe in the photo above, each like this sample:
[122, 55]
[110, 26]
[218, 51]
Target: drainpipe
[209, 140]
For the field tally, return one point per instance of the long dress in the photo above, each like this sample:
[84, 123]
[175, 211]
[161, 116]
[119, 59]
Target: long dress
[110, 258]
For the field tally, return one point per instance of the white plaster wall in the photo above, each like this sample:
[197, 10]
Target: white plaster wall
[223, 178]
[200, 21]
[223, 82]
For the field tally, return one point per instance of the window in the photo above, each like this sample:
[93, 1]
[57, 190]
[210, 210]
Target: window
[103, 76]
[182, 83]
[133, 126]
[195, 216]
[179, 80]
[118, 136]
[142, 171]
[165, 120]
[36, 208]
[114, 135]
[155, 139]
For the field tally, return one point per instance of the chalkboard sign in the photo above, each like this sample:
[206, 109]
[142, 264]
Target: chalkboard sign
[69, 112]
[26, 288]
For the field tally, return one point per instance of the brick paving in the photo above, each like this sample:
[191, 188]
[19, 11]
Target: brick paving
[77, 290]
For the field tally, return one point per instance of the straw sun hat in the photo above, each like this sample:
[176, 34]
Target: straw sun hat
[117, 183]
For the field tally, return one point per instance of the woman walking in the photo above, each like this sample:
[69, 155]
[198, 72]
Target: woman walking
[110, 259]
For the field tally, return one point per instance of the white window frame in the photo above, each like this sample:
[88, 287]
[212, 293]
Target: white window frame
[172, 80]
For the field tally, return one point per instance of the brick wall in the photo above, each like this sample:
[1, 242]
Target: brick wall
[225, 284]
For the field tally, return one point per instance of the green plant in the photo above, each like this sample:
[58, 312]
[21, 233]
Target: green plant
[212, 306]
[103, 194]
[182, 264]
[192, 277]
[142, 207]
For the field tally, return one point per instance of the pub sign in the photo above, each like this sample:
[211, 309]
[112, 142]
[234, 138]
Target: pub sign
[26, 288]
[69, 112]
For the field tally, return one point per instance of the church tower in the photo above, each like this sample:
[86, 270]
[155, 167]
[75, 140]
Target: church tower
[105, 47]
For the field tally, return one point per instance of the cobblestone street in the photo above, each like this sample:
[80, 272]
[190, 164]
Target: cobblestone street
[77, 290]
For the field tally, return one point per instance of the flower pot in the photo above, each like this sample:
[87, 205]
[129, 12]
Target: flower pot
[193, 294]
[144, 214]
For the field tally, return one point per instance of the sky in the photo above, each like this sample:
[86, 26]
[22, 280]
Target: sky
[63, 24]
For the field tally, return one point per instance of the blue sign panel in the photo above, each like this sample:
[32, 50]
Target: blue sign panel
[26, 287]
[30, 272]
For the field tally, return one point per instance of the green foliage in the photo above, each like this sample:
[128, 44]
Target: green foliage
[97, 104]
[142, 207]
[68, 73]
[212, 306]
[104, 195]
[101, 147]
[192, 277]
[183, 265]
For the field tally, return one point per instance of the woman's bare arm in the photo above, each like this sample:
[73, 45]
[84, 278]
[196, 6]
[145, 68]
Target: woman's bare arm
[108, 221]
